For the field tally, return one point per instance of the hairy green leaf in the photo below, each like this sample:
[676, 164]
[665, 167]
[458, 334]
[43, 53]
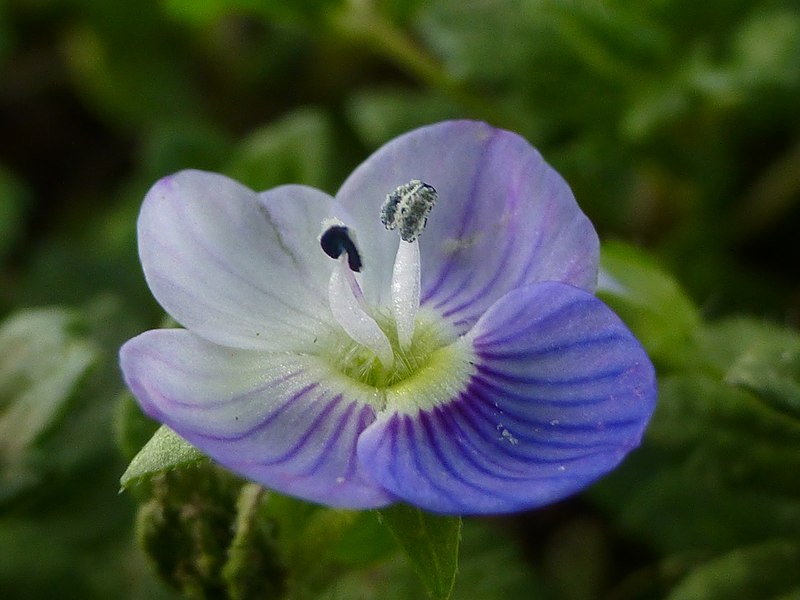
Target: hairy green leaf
[165, 451]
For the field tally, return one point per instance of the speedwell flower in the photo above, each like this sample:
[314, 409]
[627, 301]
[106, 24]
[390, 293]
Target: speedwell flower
[427, 335]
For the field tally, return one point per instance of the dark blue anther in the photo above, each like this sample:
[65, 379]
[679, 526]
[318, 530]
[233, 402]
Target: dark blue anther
[335, 240]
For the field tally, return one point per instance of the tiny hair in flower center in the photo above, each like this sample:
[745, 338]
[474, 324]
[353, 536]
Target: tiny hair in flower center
[406, 210]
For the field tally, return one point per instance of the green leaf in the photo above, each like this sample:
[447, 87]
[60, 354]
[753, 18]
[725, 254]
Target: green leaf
[760, 357]
[380, 115]
[718, 467]
[296, 149]
[165, 451]
[651, 303]
[202, 12]
[759, 572]
[13, 203]
[431, 544]
[42, 359]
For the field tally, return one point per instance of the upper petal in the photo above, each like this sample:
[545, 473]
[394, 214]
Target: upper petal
[236, 267]
[279, 419]
[504, 218]
[561, 392]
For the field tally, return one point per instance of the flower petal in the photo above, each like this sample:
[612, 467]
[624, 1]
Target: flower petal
[280, 419]
[504, 218]
[237, 268]
[561, 392]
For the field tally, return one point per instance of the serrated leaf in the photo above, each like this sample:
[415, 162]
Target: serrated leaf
[755, 573]
[431, 544]
[165, 451]
[651, 302]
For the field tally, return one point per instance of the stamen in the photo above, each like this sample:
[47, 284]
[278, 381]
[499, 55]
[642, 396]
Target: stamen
[406, 209]
[345, 297]
[336, 239]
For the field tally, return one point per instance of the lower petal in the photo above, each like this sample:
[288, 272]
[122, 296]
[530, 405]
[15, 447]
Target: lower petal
[561, 392]
[277, 419]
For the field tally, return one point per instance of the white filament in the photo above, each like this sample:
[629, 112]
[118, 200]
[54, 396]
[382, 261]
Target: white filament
[350, 310]
[405, 290]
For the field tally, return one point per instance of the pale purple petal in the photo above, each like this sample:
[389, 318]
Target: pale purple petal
[504, 218]
[237, 268]
[562, 391]
[273, 418]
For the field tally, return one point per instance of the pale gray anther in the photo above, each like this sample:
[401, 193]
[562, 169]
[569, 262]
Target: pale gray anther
[406, 209]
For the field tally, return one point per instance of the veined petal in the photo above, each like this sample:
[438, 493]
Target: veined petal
[282, 420]
[237, 268]
[561, 392]
[504, 218]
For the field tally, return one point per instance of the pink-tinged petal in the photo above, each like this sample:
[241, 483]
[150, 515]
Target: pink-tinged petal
[562, 391]
[237, 268]
[278, 419]
[504, 218]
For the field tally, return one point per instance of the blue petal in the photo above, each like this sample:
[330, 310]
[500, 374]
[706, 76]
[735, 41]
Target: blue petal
[504, 218]
[274, 418]
[562, 391]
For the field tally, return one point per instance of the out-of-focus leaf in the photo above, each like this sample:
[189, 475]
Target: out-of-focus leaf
[205, 11]
[718, 467]
[431, 544]
[296, 149]
[173, 145]
[399, 11]
[132, 428]
[43, 356]
[763, 572]
[129, 73]
[768, 364]
[651, 303]
[13, 202]
[380, 115]
[165, 451]
[767, 50]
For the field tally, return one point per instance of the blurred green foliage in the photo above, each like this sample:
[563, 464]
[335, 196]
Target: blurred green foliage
[675, 123]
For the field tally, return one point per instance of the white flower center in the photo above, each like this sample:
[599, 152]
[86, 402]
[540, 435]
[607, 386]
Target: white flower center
[406, 210]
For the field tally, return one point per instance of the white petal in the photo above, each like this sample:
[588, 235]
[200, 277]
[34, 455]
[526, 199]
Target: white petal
[235, 267]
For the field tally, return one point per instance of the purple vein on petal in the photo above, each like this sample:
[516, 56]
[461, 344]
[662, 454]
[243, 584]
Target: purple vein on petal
[441, 277]
[338, 431]
[494, 470]
[268, 420]
[486, 386]
[307, 434]
[456, 472]
[517, 379]
[416, 458]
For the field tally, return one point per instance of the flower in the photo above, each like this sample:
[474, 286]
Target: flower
[466, 368]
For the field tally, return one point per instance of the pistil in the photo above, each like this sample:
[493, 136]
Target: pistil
[406, 210]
